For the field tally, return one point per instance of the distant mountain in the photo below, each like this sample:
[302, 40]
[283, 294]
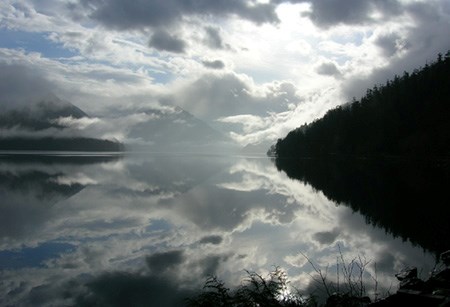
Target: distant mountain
[257, 149]
[40, 115]
[174, 129]
[408, 116]
[24, 128]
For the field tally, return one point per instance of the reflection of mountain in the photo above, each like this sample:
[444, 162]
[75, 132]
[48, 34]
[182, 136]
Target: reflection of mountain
[42, 186]
[410, 201]
[29, 188]
[50, 159]
[30, 128]
[173, 129]
[170, 174]
[60, 144]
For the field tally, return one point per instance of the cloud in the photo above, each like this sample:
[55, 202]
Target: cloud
[216, 64]
[76, 123]
[213, 239]
[113, 66]
[212, 96]
[141, 14]
[21, 86]
[326, 237]
[328, 13]
[160, 262]
[131, 289]
[328, 69]
[213, 38]
[409, 48]
[164, 41]
[391, 43]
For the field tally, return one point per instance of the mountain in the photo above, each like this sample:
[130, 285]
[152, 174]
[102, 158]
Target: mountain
[406, 117]
[175, 130]
[40, 115]
[255, 149]
[30, 128]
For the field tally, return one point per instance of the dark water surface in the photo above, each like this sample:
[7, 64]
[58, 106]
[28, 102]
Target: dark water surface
[148, 229]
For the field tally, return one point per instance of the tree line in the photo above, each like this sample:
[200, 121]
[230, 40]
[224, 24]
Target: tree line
[406, 116]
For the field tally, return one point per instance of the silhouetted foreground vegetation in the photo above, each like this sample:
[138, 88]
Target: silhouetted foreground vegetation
[254, 291]
[348, 288]
[408, 116]
[60, 144]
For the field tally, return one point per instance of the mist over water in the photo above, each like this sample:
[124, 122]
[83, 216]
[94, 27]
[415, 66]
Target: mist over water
[149, 229]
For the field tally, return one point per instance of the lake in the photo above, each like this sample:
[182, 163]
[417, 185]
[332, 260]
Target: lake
[150, 228]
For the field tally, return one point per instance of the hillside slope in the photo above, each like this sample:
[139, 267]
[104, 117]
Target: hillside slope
[407, 116]
[35, 127]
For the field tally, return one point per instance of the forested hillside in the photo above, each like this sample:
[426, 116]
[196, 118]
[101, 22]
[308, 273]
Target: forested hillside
[407, 116]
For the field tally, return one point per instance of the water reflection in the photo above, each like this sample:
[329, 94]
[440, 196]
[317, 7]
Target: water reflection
[149, 229]
[409, 200]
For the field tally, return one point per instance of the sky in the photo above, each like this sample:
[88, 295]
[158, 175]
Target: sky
[254, 69]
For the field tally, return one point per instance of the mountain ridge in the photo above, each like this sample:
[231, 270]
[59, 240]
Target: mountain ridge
[41, 115]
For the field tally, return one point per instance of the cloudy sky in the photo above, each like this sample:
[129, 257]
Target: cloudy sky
[253, 68]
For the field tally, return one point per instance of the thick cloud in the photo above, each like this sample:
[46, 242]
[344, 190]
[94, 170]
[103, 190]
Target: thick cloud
[213, 38]
[327, 13]
[216, 64]
[165, 41]
[214, 96]
[418, 44]
[130, 289]
[139, 14]
[390, 44]
[326, 237]
[161, 262]
[213, 239]
[328, 69]
[20, 85]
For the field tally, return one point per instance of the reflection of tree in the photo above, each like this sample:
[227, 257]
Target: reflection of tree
[50, 159]
[407, 200]
[38, 184]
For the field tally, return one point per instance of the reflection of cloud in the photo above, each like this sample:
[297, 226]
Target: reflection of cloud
[326, 237]
[213, 239]
[132, 289]
[168, 245]
[78, 178]
[161, 262]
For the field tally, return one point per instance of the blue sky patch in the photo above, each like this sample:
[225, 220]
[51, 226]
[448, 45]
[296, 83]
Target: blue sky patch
[33, 42]
[33, 256]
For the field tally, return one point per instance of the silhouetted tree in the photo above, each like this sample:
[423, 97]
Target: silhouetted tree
[407, 116]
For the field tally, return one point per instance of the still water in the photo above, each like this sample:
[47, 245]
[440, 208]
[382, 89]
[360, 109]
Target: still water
[148, 229]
